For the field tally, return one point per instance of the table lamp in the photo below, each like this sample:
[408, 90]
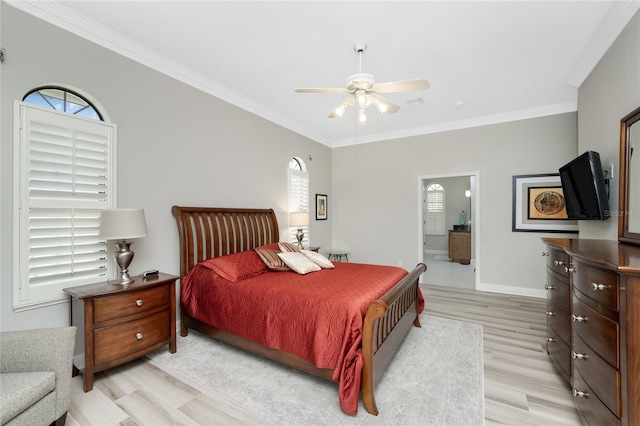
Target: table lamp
[122, 225]
[299, 219]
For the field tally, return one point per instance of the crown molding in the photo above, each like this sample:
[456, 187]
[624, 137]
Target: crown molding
[614, 23]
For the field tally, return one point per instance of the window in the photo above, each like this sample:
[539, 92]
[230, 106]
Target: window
[434, 216]
[64, 167]
[298, 195]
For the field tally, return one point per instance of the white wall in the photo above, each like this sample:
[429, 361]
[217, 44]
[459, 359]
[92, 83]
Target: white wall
[375, 199]
[611, 91]
[176, 145]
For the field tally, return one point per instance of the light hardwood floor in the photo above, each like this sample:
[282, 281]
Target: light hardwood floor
[521, 385]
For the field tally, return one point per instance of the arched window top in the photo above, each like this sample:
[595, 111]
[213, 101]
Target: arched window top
[297, 163]
[435, 187]
[64, 100]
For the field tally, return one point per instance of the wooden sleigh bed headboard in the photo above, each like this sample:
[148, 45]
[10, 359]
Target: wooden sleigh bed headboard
[208, 232]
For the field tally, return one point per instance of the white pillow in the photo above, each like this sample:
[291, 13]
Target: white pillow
[318, 259]
[298, 262]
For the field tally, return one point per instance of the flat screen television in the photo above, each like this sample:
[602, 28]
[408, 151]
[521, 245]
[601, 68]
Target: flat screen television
[585, 192]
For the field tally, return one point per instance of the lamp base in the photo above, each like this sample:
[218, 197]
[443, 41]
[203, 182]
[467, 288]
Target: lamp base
[300, 237]
[123, 257]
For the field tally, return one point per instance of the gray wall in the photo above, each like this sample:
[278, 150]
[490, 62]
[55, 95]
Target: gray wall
[376, 194]
[176, 145]
[611, 91]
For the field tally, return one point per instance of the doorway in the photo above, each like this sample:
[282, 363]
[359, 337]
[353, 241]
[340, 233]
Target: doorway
[460, 210]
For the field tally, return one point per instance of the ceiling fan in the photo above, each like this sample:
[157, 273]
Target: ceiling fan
[364, 91]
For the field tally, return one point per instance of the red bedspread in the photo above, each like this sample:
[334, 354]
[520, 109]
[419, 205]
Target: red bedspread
[318, 316]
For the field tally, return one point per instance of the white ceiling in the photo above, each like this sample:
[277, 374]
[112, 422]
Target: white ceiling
[487, 61]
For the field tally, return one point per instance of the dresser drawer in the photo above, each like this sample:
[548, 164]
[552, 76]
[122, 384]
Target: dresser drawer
[591, 408]
[600, 285]
[597, 331]
[558, 292]
[559, 321]
[127, 338]
[557, 261]
[600, 376]
[559, 352]
[125, 304]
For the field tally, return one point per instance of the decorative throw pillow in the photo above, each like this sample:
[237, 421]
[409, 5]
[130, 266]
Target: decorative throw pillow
[298, 262]
[318, 259]
[237, 266]
[271, 259]
[270, 246]
[285, 247]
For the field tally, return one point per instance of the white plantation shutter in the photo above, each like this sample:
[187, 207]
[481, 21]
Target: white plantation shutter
[64, 173]
[299, 200]
[434, 210]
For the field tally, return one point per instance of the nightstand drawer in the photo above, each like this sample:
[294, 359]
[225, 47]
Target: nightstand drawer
[597, 284]
[125, 304]
[127, 338]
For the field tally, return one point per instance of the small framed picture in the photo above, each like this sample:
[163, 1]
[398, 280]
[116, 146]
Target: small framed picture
[321, 207]
[539, 205]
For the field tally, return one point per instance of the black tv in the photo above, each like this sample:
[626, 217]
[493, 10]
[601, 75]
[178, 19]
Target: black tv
[585, 191]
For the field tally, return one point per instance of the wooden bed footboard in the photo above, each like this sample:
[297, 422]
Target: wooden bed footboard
[387, 322]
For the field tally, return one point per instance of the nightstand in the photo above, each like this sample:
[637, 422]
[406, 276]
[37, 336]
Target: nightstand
[313, 249]
[119, 323]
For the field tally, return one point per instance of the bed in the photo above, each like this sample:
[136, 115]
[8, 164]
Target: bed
[210, 235]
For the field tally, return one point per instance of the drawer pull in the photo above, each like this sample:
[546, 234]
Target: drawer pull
[139, 336]
[569, 269]
[580, 394]
[559, 262]
[577, 318]
[550, 313]
[549, 339]
[599, 287]
[549, 287]
[576, 355]
[139, 302]
[544, 253]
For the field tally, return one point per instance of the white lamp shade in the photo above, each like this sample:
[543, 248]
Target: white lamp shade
[122, 224]
[298, 219]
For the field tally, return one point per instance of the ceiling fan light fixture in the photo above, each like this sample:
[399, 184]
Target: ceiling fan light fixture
[362, 116]
[382, 107]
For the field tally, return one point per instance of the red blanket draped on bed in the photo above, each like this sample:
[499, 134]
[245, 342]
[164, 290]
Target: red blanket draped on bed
[318, 316]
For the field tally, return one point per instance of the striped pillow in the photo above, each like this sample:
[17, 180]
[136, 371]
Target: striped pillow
[286, 247]
[271, 259]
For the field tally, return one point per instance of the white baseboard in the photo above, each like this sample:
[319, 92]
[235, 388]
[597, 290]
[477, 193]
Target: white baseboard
[516, 291]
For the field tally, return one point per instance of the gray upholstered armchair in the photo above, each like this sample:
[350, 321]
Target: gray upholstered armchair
[35, 375]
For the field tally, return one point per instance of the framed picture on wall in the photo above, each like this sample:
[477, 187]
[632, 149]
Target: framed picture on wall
[321, 207]
[539, 205]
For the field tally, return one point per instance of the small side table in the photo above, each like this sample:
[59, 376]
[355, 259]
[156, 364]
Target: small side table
[119, 323]
[338, 254]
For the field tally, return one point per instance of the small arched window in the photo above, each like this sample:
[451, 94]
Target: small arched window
[298, 196]
[62, 100]
[434, 214]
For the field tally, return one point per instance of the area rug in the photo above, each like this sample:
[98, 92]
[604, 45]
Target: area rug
[436, 378]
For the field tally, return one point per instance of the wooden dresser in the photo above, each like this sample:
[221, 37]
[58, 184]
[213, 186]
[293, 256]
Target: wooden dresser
[460, 246]
[603, 361]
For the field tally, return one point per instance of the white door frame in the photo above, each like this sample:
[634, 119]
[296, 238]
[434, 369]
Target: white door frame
[475, 225]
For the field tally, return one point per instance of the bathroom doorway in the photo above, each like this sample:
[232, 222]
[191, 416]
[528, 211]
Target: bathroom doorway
[451, 213]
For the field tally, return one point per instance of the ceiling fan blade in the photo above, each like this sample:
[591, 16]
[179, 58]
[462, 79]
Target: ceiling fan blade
[401, 86]
[384, 105]
[322, 90]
